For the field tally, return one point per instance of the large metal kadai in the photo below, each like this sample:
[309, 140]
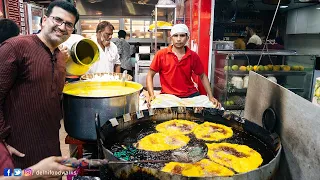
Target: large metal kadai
[117, 141]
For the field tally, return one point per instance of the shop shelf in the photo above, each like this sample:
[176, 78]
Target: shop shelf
[295, 81]
[258, 52]
[296, 89]
[161, 28]
[264, 73]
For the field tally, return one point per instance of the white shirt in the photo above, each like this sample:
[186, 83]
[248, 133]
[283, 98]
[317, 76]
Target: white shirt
[107, 59]
[255, 40]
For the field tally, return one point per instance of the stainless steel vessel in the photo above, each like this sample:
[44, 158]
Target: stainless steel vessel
[79, 111]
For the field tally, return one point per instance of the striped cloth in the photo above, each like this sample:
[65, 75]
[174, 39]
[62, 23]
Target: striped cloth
[31, 83]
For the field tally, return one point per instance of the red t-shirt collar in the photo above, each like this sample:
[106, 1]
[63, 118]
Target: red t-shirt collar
[188, 51]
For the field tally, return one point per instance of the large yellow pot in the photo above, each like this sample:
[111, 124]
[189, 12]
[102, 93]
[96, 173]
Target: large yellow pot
[83, 53]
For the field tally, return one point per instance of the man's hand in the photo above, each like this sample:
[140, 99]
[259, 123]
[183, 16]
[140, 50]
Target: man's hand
[65, 53]
[151, 98]
[13, 151]
[52, 163]
[215, 102]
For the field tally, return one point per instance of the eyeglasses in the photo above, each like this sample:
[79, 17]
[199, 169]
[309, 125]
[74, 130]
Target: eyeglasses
[58, 21]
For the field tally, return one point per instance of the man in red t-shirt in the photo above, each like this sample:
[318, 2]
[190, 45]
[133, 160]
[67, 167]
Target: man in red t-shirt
[175, 66]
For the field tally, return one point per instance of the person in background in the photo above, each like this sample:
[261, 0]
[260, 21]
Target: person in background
[32, 77]
[253, 39]
[8, 29]
[274, 41]
[239, 43]
[109, 58]
[278, 38]
[124, 52]
[175, 65]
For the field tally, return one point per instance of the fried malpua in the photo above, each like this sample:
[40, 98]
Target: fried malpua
[212, 132]
[240, 158]
[203, 168]
[176, 126]
[162, 142]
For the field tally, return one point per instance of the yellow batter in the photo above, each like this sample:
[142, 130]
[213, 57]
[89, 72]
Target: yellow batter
[162, 142]
[241, 158]
[100, 89]
[212, 132]
[103, 92]
[176, 126]
[203, 168]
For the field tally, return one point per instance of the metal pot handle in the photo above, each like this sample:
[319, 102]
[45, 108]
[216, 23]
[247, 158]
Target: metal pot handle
[269, 119]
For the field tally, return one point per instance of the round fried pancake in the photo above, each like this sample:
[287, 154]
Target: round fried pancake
[240, 158]
[176, 126]
[203, 168]
[212, 132]
[162, 142]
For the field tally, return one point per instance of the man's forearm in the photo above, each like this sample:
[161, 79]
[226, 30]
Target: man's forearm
[206, 84]
[150, 84]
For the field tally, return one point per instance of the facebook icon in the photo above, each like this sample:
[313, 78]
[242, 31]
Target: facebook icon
[7, 172]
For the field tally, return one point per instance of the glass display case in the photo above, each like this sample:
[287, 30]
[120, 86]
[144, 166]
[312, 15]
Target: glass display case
[288, 68]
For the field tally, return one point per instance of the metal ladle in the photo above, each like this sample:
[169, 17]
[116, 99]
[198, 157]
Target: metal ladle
[124, 77]
[188, 154]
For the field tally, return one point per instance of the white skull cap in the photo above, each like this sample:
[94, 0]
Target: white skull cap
[179, 28]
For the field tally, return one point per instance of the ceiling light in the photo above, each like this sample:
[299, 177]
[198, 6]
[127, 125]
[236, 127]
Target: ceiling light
[318, 8]
[282, 7]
